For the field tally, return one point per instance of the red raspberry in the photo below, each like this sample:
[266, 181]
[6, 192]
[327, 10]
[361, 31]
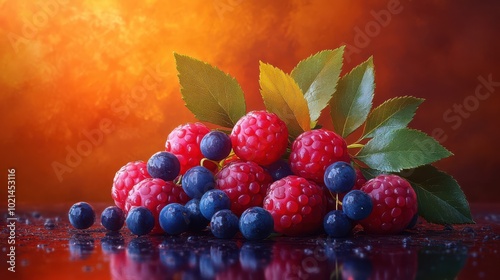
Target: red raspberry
[394, 204]
[260, 136]
[296, 204]
[125, 179]
[184, 142]
[154, 194]
[314, 150]
[245, 183]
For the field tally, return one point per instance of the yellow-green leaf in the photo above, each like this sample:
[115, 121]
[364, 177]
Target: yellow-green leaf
[392, 114]
[283, 97]
[209, 93]
[352, 101]
[317, 77]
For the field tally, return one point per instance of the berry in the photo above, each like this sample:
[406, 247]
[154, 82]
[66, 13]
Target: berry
[140, 220]
[197, 181]
[224, 224]
[259, 136]
[340, 177]
[154, 194]
[164, 165]
[394, 204]
[125, 179]
[245, 183]
[357, 205]
[213, 201]
[256, 223]
[296, 204]
[314, 150]
[112, 218]
[81, 215]
[279, 169]
[337, 224]
[174, 219]
[184, 142]
[216, 145]
[197, 221]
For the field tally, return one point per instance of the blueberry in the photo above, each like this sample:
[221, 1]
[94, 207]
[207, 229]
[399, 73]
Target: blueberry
[197, 181]
[357, 205]
[197, 220]
[164, 165]
[81, 215]
[174, 219]
[112, 218]
[215, 145]
[224, 224]
[213, 201]
[256, 223]
[140, 220]
[279, 169]
[337, 224]
[340, 177]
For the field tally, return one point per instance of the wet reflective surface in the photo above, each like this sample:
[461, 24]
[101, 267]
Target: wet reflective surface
[47, 247]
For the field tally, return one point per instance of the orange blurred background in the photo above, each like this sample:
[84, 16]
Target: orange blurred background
[86, 87]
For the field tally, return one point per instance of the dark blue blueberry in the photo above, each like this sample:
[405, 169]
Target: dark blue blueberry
[112, 218]
[213, 201]
[357, 205]
[140, 220]
[197, 181]
[164, 165]
[49, 224]
[197, 221]
[81, 246]
[174, 219]
[256, 223]
[340, 177]
[81, 215]
[337, 224]
[279, 169]
[215, 145]
[224, 224]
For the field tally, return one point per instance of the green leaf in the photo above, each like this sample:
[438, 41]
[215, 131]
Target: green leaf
[283, 97]
[209, 93]
[440, 199]
[392, 114]
[401, 149]
[352, 101]
[317, 77]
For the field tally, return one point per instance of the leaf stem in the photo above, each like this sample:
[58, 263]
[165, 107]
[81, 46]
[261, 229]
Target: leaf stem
[355, 145]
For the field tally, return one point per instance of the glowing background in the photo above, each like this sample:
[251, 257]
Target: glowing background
[68, 69]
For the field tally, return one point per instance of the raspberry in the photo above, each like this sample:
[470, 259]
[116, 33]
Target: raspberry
[296, 204]
[314, 150]
[184, 142]
[394, 204]
[154, 194]
[260, 136]
[125, 179]
[245, 183]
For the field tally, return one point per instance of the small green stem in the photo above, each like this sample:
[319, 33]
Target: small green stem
[355, 145]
